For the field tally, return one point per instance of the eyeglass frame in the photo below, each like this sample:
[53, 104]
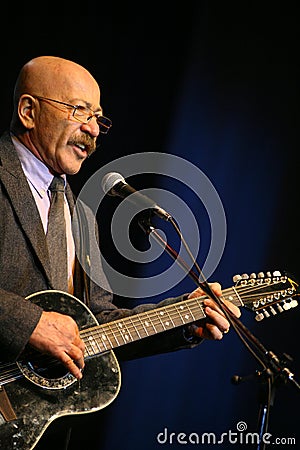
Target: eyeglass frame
[76, 108]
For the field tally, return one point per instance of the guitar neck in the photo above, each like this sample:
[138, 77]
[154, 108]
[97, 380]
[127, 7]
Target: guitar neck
[138, 326]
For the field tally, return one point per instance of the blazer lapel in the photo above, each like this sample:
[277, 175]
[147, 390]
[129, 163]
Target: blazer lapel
[22, 201]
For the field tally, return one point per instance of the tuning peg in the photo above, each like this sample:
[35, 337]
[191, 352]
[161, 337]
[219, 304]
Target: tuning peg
[236, 278]
[272, 310]
[245, 276]
[259, 317]
[293, 303]
[261, 275]
[253, 275]
[269, 275]
[276, 273]
[279, 307]
[286, 306]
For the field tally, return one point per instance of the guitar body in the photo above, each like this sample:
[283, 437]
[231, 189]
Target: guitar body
[37, 406]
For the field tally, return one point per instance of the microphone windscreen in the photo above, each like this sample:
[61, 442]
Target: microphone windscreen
[110, 180]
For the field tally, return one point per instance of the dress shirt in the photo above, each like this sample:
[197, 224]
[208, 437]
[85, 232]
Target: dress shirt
[39, 179]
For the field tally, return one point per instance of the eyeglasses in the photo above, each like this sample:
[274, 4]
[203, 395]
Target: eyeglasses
[83, 114]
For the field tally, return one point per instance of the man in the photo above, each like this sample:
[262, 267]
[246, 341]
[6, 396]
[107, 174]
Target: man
[56, 121]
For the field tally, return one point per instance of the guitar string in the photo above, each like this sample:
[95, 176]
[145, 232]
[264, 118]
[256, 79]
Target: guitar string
[192, 301]
[13, 371]
[246, 288]
[149, 315]
[168, 310]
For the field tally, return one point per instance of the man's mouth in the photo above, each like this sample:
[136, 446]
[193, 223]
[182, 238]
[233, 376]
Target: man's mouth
[83, 147]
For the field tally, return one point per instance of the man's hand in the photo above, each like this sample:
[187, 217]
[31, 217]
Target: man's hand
[58, 335]
[215, 324]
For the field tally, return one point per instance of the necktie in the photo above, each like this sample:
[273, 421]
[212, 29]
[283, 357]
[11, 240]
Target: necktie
[56, 235]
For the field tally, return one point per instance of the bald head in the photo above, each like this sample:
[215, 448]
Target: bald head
[55, 77]
[52, 76]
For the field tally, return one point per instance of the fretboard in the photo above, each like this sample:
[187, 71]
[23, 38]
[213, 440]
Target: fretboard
[114, 334]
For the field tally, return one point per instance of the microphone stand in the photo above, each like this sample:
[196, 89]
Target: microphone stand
[274, 369]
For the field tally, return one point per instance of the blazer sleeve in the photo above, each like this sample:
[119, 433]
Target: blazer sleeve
[18, 318]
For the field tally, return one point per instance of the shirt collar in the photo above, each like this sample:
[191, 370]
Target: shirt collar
[36, 172]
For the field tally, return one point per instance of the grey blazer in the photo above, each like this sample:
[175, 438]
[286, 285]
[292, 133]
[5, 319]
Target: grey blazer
[25, 269]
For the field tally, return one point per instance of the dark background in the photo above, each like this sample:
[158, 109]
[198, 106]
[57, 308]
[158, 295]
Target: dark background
[218, 85]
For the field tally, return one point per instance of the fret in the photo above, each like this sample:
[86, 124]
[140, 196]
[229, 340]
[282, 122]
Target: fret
[167, 323]
[88, 351]
[135, 328]
[201, 307]
[93, 343]
[161, 314]
[143, 325]
[125, 332]
[183, 315]
[149, 315]
[113, 334]
[154, 314]
[105, 338]
[235, 298]
[197, 309]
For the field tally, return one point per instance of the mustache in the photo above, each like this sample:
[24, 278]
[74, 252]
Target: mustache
[86, 141]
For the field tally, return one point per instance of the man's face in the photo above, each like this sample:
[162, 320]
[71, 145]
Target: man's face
[53, 133]
[59, 139]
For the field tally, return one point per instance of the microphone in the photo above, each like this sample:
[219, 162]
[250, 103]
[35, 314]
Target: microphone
[114, 184]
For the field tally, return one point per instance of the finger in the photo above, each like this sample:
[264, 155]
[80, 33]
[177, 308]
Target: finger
[71, 366]
[213, 305]
[218, 319]
[196, 293]
[79, 343]
[209, 303]
[233, 308]
[77, 356]
[215, 287]
[213, 332]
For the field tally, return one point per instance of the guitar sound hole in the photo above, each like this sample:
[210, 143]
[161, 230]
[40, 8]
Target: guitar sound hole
[51, 372]
[45, 366]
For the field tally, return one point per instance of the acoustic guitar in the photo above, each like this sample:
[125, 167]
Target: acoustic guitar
[37, 389]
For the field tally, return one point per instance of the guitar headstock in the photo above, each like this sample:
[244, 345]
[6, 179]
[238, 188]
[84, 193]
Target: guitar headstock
[267, 294]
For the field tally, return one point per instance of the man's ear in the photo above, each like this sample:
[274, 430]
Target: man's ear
[26, 110]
